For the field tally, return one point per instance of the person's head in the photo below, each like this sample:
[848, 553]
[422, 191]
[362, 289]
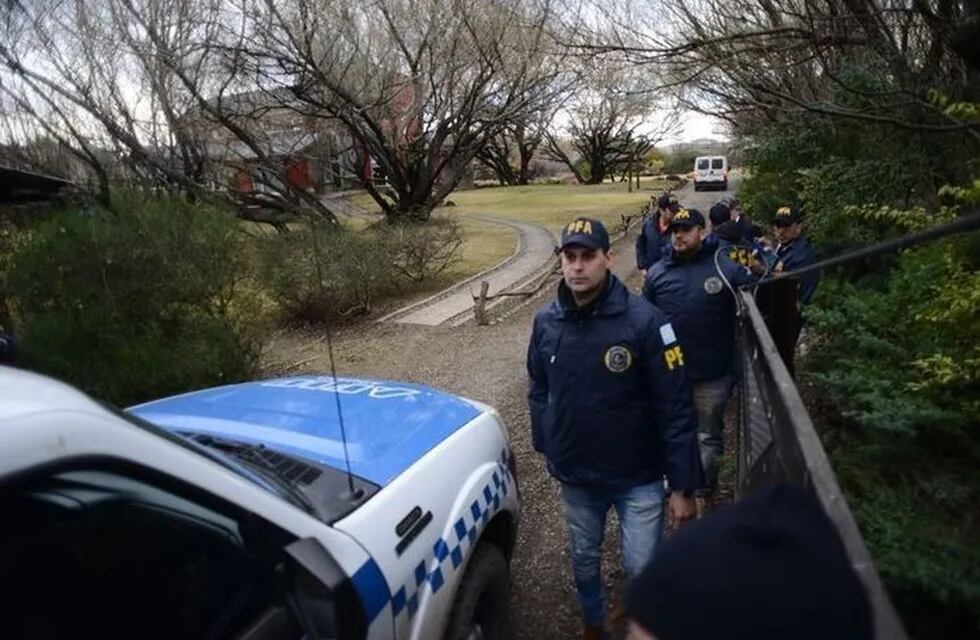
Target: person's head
[672, 207]
[585, 256]
[769, 567]
[735, 205]
[663, 203]
[787, 225]
[686, 232]
[719, 214]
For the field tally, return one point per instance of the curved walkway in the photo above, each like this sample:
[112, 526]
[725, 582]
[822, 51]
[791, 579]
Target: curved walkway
[535, 250]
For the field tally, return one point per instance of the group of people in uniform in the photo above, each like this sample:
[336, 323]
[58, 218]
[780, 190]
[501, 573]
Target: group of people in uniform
[627, 398]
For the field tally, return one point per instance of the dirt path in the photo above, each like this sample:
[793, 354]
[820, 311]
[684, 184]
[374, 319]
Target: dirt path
[488, 364]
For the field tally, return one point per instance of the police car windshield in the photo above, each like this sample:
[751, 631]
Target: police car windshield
[252, 472]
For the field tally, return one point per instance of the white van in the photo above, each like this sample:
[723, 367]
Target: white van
[710, 172]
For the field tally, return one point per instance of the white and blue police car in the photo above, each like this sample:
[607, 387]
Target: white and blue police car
[255, 511]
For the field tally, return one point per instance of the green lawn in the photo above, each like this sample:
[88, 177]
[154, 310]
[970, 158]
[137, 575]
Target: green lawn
[486, 245]
[549, 205]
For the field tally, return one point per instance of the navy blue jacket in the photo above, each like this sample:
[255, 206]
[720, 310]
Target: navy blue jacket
[611, 405]
[700, 306]
[796, 255]
[651, 245]
[740, 250]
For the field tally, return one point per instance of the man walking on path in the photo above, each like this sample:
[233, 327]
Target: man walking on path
[694, 287]
[611, 410]
[653, 240]
[793, 252]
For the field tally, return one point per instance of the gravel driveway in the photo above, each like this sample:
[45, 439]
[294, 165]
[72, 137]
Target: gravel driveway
[487, 364]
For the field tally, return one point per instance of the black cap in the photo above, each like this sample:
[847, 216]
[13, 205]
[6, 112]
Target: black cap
[719, 214]
[729, 230]
[686, 218]
[786, 216]
[769, 567]
[663, 201]
[587, 232]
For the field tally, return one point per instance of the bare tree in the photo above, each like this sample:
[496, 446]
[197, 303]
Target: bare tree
[509, 153]
[421, 87]
[132, 81]
[753, 61]
[157, 85]
[611, 117]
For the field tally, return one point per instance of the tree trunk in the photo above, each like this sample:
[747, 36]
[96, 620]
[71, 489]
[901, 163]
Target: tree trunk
[104, 195]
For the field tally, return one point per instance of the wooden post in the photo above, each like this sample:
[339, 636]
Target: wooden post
[480, 304]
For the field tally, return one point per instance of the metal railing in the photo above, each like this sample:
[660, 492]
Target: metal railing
[778, 443]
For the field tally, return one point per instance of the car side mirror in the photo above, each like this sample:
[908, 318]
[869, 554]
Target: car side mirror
[322, 596]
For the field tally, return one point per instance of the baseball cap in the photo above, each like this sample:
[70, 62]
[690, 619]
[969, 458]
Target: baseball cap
[719, 214]
[686, 218]
[786, 216]
[587, 232]
[786, 575]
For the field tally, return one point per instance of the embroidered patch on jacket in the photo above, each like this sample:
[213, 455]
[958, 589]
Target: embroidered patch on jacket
[618, 359]
[674, 357]
[713, 285]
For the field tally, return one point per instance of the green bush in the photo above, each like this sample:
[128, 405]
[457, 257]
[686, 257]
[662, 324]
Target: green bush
[322, 273]
[681, 162]
[420, 252]
[135, 302]
[899, 366]
[893, 342]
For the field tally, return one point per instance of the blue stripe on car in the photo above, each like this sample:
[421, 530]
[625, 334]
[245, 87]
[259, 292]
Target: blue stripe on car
[372, 587]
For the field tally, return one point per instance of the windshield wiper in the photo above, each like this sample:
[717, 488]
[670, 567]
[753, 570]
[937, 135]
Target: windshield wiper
[247, 453]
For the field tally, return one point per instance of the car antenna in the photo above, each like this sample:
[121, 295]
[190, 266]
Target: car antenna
[354, 493]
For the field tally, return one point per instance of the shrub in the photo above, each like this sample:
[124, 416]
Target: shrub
[323, 273]
[892, 347]
[132, 303]
[899, 365]
[419, 252]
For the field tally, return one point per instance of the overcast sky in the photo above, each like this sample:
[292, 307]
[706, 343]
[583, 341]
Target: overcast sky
[695, 126]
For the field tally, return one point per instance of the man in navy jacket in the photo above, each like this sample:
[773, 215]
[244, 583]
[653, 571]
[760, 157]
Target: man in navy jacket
[793, 252]
[611, 410]
[694, 286]
[654, 239]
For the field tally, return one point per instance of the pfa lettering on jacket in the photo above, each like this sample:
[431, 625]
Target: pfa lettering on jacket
[674, 357]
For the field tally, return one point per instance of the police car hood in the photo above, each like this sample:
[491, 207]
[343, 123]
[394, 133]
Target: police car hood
[389, 425]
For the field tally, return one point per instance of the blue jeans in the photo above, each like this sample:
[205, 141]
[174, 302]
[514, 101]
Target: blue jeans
[640, 512]
[710, 399]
